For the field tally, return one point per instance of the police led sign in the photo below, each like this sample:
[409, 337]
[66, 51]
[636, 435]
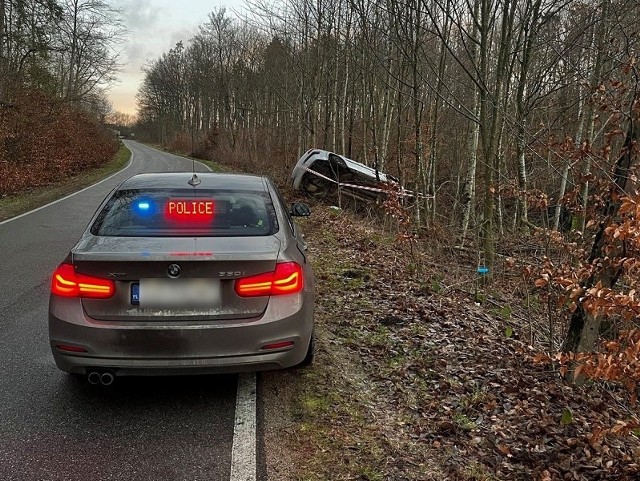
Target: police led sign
[189, 210]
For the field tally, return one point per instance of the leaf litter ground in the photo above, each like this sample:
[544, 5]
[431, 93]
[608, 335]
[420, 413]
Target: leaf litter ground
[415, 380]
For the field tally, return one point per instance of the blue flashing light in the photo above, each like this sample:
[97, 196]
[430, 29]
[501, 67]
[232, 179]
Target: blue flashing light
[143, 208]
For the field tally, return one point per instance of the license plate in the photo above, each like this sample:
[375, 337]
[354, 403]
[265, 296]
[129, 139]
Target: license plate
[176, 293]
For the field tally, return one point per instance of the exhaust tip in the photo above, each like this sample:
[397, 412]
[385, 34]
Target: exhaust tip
[93, 377]
[107, 379]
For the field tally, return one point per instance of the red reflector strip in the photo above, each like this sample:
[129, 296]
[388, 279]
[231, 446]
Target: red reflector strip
[66, 347]
[182, 254]
[278, 345]
[285, 279]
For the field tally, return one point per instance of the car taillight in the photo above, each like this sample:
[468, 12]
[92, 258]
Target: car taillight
[286, 279]
[67, 283]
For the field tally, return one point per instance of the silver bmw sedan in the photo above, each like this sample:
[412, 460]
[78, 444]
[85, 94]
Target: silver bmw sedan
[183, 274]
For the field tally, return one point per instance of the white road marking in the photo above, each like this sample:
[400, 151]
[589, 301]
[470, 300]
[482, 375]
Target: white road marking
[71, 195]
[87, 188]
[243, 451]
[210, 169]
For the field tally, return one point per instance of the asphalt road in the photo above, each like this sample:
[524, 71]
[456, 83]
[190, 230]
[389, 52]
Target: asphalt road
[56, 428]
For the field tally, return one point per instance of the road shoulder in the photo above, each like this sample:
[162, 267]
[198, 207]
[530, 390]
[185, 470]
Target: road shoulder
[12, 206]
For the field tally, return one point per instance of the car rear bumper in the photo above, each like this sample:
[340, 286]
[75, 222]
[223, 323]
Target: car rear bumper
[161, 348]
[169, 367]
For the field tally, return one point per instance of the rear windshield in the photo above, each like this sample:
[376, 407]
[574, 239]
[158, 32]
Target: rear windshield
[186, 212]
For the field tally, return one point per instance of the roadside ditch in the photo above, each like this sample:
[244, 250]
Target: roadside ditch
[415, 380]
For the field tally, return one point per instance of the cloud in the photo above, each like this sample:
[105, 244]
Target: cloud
[155, 26]
[140, 18]
[136, 55]
[139, 14]
[184, 35]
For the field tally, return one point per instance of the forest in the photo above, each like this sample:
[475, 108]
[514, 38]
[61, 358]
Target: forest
[512, 119]
[56, 60]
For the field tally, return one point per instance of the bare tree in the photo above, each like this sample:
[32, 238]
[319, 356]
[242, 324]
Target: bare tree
[87, 42]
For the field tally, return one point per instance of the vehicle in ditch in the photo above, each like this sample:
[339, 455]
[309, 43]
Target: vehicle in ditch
[323, 174]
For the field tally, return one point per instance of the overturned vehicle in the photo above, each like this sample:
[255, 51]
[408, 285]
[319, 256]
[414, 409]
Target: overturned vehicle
[327, 175]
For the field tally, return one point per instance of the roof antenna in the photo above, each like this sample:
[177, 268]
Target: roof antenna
[194, 180]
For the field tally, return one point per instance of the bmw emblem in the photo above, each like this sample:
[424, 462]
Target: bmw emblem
[173, 270]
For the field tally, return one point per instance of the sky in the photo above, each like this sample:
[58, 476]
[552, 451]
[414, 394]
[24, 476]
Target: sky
[154, 27]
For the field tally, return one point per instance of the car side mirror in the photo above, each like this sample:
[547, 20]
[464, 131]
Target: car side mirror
[298, 209]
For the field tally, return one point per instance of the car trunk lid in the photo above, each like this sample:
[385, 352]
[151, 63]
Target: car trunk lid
[144, 268]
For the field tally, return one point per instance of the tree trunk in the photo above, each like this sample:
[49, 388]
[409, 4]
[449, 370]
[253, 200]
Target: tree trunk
[365, 112]
[435, 117]
[2, 34]
[70, 94]
[469, 189]
[3, 56]
[599, 43]
[567, 168]
[418, 108]
[491, 109]
[584, 327]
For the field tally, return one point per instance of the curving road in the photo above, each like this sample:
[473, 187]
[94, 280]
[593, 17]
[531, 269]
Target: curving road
[56, 428]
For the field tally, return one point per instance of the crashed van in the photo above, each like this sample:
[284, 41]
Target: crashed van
[323, 174]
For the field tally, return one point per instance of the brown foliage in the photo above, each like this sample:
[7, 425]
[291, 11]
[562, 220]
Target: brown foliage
[619, 361]
[43, 141]
[598, 273]
[441, 391]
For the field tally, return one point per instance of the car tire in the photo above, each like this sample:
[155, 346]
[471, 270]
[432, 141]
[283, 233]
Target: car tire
[311, 353]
